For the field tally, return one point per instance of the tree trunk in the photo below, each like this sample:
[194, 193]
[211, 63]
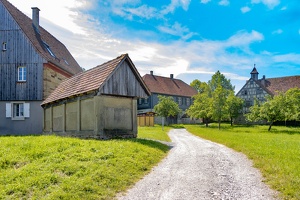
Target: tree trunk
[206, 122]
[219, 121]
[231, 121]
[162, 122]
[270, 126]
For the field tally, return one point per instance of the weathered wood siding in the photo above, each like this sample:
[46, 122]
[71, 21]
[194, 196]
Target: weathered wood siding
[19, 53]
[123, 82]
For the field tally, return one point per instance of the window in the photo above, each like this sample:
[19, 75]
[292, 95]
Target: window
[17, 110]
[188, 101]
[48, 49]
[179, 100]
[140, 101]
[245, 92]
[21, 73]
[4, 46]
[146, 100]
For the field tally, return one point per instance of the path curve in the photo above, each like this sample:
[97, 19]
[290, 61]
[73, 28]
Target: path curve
[199, 169]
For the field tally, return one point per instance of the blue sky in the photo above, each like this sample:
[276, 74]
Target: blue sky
[191, 39]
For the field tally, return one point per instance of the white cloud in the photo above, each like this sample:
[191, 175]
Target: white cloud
[205, 1]
[224, 2]
[277, 32]
[245, 9]
[59, 12]
[269, 3]
[177, 30]
[143, 11]
[175, 4]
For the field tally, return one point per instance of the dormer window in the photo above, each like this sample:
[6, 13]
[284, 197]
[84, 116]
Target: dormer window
[49, 50]
[4, 46]
[66, 61]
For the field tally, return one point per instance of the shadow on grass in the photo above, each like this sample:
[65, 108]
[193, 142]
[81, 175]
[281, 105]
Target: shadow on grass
[151, 143]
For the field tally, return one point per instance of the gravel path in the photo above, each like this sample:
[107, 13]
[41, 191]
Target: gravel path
[200, 169]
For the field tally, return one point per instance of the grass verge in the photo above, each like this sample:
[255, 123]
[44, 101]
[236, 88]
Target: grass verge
[51, 167]
[154, 133]
[275, 153]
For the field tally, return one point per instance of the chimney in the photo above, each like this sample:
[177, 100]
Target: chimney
[263, 81]
[171, 76]
[151, 73]
[36, 17]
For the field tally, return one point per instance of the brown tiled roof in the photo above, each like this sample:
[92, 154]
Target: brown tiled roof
[281, 84]
[90, 80]
[63, 57]
[165, 85]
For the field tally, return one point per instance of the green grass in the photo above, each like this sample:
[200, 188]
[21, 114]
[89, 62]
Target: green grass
[275, 153]
[154, 133]
[51, 167]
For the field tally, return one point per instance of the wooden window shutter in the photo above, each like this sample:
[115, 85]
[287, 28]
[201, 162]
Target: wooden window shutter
[8, 110]
[26, 109]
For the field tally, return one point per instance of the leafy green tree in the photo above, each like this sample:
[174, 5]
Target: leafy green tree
[293, 103]
[218, 107]
[201, 107]
[234, 105]
[218, 79]
[166, 107]
[199, 86]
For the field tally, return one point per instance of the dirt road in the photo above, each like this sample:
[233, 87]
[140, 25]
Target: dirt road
[200, 169]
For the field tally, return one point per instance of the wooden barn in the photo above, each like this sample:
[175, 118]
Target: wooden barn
[99, 103]
[32, 64]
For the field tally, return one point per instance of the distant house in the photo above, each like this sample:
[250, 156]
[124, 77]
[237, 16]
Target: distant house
[98, 103]
[259, 88]
[32, 64]
[168, 86]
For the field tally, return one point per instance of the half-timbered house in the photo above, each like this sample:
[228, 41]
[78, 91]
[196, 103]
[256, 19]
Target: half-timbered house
[32, 64]
[98, 103]
[256, 88]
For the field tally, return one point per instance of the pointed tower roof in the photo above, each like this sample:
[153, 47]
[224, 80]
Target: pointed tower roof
[254, 71]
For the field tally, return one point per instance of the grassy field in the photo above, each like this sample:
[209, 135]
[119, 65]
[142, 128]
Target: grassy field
[275, 153]
[51, 167]
[155, 133]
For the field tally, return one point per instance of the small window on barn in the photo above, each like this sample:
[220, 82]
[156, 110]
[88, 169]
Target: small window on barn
[140, 101]
[4, 46]
[245, 92]
[22, 73]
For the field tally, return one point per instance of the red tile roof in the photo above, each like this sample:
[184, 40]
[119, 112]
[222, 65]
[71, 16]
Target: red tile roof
[90, 80]
[63, 57]
[281, 84]
[168, 86]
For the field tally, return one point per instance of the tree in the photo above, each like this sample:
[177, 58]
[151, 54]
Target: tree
[293, 103]
[218, 108]
[272, 110]
[166, 107]
[234, 105]
[219, 79]
[211, 101]
[200, 107]
[199, 86]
